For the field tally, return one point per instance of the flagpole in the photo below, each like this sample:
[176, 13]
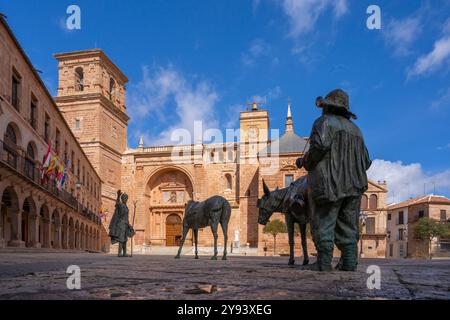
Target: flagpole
[134, 216]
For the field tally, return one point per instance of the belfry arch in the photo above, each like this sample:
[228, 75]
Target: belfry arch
[166, 193]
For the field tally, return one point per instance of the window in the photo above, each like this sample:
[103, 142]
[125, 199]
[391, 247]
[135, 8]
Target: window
[15, 90]
[78, 170]
[10, 146]
[72, 162]
[29, 162]
[33, 113]
[370, 225]
[47, 128]
[288, 179]
[112, 89]
[79, 79]
[389, 217]
[66, 156]
[373, 202]
[421, 214]
[229, 181]
[57, 141]
[401, 250]
[391, 250]
[364, 202]
[400, 218]
[400, 234]
[443, 215]
[77, 124]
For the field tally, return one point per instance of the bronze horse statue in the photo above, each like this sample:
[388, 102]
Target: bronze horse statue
[211, 212]
[292, 201]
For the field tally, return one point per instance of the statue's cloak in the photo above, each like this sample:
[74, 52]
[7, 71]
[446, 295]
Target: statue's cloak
[119, 227]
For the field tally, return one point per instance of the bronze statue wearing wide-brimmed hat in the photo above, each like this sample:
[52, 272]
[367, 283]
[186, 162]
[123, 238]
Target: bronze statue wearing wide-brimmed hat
[337, 161]
[337, 100]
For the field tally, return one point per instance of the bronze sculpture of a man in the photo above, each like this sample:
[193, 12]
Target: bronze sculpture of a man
[119, 228]
[337, 161]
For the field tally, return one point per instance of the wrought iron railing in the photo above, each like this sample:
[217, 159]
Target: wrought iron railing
[29, 170]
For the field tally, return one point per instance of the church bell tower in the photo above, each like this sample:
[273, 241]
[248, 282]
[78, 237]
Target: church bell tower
[91, 97]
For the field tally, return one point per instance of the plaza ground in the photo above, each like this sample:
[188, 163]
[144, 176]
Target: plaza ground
[33, 274]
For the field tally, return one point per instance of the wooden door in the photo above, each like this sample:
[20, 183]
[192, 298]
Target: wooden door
[173, 230]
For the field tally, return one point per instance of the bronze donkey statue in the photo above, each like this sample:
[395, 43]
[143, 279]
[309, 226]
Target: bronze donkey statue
[211, 212]
[292, 201]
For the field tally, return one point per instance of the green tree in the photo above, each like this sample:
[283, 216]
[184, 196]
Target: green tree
[428, 229]
[275, 227]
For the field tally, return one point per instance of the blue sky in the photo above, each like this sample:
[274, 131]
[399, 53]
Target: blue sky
[201, 60]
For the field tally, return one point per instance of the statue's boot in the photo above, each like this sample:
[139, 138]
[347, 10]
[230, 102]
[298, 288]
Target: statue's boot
[125, 250]
[349, 258]
[323, 262]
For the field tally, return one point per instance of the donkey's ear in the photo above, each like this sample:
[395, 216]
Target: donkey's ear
[266, 188]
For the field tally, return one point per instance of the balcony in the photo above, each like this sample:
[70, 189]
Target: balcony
[10, 158]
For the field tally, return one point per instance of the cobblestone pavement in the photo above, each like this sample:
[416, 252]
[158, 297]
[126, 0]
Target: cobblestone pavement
[42, 275]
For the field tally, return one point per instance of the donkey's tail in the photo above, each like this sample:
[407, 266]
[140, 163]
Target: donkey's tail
[226, 211]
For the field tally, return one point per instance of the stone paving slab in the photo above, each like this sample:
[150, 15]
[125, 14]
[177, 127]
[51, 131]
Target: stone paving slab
[35, 275]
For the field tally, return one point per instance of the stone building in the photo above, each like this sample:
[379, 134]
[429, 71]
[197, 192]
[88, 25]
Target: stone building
[161, 179]
[403, 216]
[34, 213]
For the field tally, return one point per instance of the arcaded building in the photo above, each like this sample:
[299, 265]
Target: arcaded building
[34, 212]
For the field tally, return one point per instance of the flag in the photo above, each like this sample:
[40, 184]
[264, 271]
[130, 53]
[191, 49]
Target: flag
[64, 175]
[53, 164]
[46, 160]
[102, 213]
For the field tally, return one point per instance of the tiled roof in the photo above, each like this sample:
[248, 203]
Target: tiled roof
[419, 200]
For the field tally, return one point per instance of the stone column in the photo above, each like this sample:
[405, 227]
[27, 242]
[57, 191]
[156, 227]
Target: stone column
[16, 228]
[47, 233]
[71, 237]
[34, 231]
[57, 243]
[2, 236]
[65, 239]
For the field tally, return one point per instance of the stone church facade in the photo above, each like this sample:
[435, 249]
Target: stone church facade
[161, 179]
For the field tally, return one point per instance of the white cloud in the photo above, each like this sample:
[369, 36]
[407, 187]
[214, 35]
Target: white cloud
[438, 57]
[408, 180]
[443, 100]
[446, 147]
[303, 14]
[258, 48]
[167, 92]
[400, 34]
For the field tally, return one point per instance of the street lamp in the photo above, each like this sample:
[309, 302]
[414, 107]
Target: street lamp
[78, 184]
[362, 222]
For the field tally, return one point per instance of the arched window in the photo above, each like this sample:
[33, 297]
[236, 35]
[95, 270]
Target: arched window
[79, 79]
[229, 181]
[29, 162]
[364, 201]
[112, 89]
[10, 146]
[373, 201]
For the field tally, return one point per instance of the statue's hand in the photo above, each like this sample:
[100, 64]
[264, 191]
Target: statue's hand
[119, 192]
